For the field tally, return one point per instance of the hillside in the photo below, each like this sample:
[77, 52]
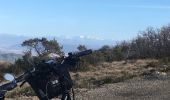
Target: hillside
[9, 57]
[133, 89]
[119, 71]
[107, 79]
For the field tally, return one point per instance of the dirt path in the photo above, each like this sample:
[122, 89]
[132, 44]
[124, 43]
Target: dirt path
[134, 89]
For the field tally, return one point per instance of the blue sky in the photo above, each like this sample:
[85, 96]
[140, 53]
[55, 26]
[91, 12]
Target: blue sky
[107, 19]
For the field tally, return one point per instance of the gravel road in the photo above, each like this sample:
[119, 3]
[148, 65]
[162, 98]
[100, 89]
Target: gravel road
[134, 89]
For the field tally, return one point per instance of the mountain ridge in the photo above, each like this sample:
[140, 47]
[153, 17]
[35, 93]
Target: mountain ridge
[12, 43]
[11, 49]
[9, 57]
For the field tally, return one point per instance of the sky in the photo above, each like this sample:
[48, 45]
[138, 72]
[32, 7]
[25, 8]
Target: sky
[98, 19]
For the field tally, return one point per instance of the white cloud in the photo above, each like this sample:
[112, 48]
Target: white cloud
[95, 38]
[82, 37]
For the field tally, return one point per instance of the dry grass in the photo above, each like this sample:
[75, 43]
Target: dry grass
[4, 64]
[115, 72]
[20, 91]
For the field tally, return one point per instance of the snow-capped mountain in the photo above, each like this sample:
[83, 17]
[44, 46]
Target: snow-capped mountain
[12, 43]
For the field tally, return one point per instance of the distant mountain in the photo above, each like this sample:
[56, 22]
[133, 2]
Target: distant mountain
[12, 43]
[9, 57]
[71, 43]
